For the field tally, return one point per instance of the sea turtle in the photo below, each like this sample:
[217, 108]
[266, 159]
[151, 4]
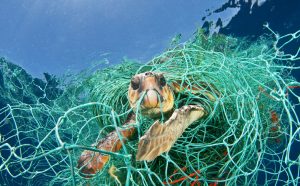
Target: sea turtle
[150, 93]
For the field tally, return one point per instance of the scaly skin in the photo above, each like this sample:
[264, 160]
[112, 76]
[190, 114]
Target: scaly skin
[91, 162]
[157, 97]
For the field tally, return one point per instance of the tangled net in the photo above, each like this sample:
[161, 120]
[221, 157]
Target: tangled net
[250, 136]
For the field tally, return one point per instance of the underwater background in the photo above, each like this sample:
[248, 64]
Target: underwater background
[54, 39]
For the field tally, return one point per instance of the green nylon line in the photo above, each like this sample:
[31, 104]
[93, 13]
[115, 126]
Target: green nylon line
[248, 136]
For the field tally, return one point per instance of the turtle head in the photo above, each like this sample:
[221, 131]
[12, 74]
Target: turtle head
[152, 92]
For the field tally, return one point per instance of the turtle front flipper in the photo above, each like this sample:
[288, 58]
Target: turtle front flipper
[161, 137]
[91, 162]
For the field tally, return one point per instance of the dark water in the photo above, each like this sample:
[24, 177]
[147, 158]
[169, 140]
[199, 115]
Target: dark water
[283, 16]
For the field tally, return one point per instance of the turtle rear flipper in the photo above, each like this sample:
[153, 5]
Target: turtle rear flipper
[161, 137]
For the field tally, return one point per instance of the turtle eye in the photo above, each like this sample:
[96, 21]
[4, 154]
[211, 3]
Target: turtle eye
[135, 83]
[162, 81]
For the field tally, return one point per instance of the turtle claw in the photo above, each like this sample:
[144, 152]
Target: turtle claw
[161, 137]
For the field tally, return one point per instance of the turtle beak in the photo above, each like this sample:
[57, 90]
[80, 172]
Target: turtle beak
[152, 99]
[153, 93]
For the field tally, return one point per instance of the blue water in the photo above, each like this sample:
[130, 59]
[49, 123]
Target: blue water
[54, 36]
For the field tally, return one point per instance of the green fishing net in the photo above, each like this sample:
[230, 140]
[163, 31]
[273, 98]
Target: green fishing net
[250, 136]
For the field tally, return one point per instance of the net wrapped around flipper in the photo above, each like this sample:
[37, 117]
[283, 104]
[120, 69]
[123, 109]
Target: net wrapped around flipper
[248, 137]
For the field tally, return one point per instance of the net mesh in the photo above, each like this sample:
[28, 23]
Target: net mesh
[251, 135]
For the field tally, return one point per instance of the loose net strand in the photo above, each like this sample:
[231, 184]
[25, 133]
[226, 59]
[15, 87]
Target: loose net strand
[250, 136]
